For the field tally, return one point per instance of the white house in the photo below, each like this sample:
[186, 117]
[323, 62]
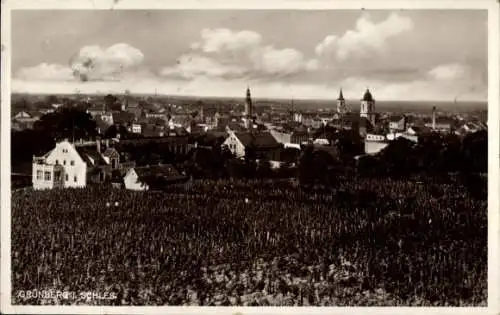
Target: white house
[397, 123]
[136, 128]
[234, 145]
[61, 167]
[75, 165]
[136, 177]
[132, 182]
[262, 142]
[375, 143]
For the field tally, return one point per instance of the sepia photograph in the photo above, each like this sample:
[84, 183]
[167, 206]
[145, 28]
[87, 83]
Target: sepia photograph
[284, 157]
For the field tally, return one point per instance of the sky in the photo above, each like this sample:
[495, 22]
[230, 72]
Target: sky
[434, 55]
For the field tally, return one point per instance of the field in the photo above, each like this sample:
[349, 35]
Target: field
[368, 242]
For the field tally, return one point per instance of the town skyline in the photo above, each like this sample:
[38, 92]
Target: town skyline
[397, 54]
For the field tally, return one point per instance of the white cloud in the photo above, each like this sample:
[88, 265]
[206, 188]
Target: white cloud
[45, 71]
[191, 66]
[223, 52]
[452, 71]
[366, 38]
[218, 40]
[89, 64]
[97, 63]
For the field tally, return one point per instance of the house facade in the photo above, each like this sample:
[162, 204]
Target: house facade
[375, 143]
[75, 165]
[62, 167]
[263, 144]
[138, 178]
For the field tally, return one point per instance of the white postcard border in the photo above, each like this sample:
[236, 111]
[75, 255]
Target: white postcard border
[493, 146]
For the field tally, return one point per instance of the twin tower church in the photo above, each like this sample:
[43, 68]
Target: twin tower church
[367, 108]
[366, 113]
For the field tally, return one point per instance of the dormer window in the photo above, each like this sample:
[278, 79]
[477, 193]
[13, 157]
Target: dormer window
[72, 163]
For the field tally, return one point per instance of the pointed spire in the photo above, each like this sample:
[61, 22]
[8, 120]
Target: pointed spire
[248, 96]
[341, 96]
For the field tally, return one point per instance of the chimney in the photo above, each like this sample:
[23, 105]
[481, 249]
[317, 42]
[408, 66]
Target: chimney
[434, 118]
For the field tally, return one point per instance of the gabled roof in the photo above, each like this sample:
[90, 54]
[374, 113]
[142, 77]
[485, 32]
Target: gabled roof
[234, 126]
[396, 118]
[123, 117]
[259, 140]
[166, 171]
[420, 129]
[91, 156]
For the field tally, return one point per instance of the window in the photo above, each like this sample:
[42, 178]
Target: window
[67, 177]
[57, 162]
[64, 162]
[114, 163]
[47, 176]
[75, 179]
[72, 163]
[39, 175]
[57, 175]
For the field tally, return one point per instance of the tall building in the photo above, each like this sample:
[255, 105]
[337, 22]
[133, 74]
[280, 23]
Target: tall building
[248, 115]
[341, 107]
[368, 107]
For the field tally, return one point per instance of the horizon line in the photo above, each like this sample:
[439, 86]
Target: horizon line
[294, 98]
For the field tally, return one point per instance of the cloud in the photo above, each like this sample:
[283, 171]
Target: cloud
[366, 38]
[452, 71]
[237, 54]
[217, 40]
[91, 63]
[191, 66]
[45, 71]
[97, 63]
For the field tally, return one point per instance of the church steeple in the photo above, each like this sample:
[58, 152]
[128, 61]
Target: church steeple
[341, 96]
[248, 102]
[248, 109]
[368, 107]
[341, 108]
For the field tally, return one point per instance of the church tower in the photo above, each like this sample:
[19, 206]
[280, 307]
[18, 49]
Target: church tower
[341, 107]
[248, 115]
[368, 107]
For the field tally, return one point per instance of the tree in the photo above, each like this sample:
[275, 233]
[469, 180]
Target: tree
[114, 130]
[51, 99]
[69, 123]
[306, 160]
[250, 161]
[111, 102]
[475, 152]
[264, 169]
[25, 144]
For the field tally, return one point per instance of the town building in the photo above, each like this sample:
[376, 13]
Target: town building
[368, 107]
[152, 177]
[75, 165]
[375, 143]
[263, 144]
[248, 115]
[341, 105]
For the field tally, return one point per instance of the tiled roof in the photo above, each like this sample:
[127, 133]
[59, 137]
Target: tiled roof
[166, 171]
[91, 156]
[259, 140]
[123, 117]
